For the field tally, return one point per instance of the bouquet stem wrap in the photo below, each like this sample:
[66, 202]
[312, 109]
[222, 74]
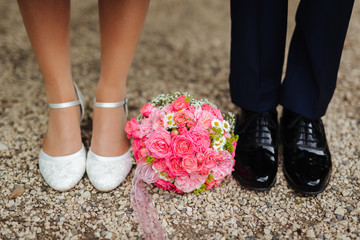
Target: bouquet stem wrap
[142, 204]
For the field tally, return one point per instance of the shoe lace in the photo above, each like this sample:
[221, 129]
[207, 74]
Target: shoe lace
[305, 129]
[258, 125]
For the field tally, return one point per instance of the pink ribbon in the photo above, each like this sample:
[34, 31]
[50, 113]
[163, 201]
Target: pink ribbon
[142, 204]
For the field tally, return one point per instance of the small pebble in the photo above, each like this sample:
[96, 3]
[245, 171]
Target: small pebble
[350, 208]
[340, 217]
[12, 208]
[276, 237]
[320, 236]
[310, 234]
[340, 211]
[3, 147]
[17, 191]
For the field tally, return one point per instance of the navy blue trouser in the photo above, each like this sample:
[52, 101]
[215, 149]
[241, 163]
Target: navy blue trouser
[258, 36]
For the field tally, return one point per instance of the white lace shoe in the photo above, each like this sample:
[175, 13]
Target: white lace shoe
[106, 173]
[64, 172]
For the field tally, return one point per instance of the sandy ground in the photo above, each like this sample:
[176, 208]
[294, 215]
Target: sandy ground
[184, 46]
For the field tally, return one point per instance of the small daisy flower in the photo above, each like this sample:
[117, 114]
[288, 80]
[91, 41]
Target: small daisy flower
[217, 138]
[216, 123]
[226, 126]
[219, 143]
[218, 147]
[170, 120]
[222, 140]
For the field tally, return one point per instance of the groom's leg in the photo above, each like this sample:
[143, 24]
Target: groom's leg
[313, 63]
[257, 52]
[314, 56]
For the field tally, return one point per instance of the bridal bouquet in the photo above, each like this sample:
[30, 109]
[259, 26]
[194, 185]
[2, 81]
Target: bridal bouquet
[188, 143]
[182, 145]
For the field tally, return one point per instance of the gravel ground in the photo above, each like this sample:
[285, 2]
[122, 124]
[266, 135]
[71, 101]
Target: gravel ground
[184, 46]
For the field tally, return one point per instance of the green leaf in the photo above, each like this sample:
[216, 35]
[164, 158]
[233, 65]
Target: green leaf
[209, 178]
[149, 159]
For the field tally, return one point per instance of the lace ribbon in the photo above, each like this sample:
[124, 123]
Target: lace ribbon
[142, 204]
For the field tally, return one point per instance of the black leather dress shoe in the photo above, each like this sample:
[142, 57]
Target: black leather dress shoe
[256, 157]
[307, 160]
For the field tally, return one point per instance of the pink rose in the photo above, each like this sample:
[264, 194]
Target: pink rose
[145, 127]
[177, 190]
[131, 128]
[180, 103]
[191, 124]
[146, 109]
[159, 143]
[136, 146]
[206, 107]
[211, 157]
[180, 119]
[187, 115]
[157, 119]
[200, 138]
[234, 143]
[170, 175]
[160, 165]
[204, 119]
[141, 160]
[213, 184]
[183, 146]
[189, 163]
[182, 130]
[200, 158]
[142, 142]
[161, 183]
[143, 152]
[167, 109]
[223, 167]
[190, 182]
[175, 167]
[214, 111]
[201, 163]
[204, 171]
[191, 108]
[174, 133]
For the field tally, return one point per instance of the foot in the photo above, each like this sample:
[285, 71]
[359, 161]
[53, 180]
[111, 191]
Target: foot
[307, 160]
[109, 137]
[63, 135]
[256, 158]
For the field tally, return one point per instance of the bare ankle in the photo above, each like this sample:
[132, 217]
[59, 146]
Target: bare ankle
[108, 92]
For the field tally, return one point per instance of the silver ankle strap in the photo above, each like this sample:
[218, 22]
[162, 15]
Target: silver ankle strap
[65, 104]
[113, 104]
[80, 102]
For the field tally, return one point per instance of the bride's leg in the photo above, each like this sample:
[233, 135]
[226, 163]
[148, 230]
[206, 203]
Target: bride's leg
[47, 25]
[121, 22]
